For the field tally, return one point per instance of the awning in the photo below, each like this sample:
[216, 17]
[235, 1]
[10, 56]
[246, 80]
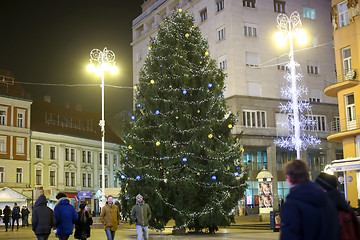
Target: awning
[348, 164]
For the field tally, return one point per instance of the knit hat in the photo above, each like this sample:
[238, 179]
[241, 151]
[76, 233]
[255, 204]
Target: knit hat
[326, 181]
[137, 196]
[82, 206]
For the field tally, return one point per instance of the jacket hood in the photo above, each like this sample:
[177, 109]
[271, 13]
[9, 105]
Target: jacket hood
[41, 201]
[63, 201]
[338, 199]
[309, 193]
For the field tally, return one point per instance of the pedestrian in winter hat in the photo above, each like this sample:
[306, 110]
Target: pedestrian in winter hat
[326, 181]
[141, 215]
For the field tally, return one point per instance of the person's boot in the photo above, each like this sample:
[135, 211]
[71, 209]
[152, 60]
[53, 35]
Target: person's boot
[5, 229]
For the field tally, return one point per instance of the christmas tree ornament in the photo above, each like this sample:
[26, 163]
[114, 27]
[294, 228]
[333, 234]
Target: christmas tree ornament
[130, 147]
[158, 143]
[230, 126]
[213, 177]
[152, 81]
[187, 35]
[207, 53]
[180, 10]
[210, 136]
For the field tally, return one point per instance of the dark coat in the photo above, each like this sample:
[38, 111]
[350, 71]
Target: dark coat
[308, 214]
[7, 213]
[66, 216]
[25, 212]
[83, 227]
[43, 218]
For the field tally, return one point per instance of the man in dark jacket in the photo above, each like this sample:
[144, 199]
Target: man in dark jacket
[307, 214]
[65, 216]
[25, 216]
[141, 215]
[43, 219]
[15, 214]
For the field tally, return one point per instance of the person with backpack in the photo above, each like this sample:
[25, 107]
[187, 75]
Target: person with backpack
[349, 224]
[15, 214]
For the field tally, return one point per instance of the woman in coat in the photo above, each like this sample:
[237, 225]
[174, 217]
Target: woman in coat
[6, 219]
[82, 226]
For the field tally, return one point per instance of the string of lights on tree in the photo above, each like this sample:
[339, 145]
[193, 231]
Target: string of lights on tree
[179, 141]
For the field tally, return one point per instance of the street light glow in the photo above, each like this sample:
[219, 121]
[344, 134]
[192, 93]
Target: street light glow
[281, 39]
[300, 36]
[91, 67]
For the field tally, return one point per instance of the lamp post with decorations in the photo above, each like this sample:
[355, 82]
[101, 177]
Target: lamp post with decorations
[290, 28]
[104, 61]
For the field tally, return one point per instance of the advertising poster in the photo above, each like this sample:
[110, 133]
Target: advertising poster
[266, 196]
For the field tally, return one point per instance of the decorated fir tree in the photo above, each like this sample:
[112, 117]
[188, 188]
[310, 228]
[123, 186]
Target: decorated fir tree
[180, 153]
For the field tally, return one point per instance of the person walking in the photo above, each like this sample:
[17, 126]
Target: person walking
[15, 214]
[6, 219]
[110, 217]
[43, 219]
[65, 216]
[82, 226]
[141, 214]
[25, 216]
[349, 224]
[307, 214]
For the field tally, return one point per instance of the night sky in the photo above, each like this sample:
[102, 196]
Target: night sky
[50, 42]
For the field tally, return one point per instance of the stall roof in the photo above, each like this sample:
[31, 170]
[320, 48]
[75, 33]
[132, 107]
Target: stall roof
[10, 195]
[348, 164]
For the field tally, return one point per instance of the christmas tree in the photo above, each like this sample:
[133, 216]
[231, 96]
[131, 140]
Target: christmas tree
[180, 153]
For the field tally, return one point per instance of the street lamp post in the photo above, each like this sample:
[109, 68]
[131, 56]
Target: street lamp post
[290, 28]
[104, 59]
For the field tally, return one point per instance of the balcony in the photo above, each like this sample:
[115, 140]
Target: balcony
[350, 79]
[343, 128]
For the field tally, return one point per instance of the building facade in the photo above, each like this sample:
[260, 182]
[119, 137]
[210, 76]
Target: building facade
[240, 38]
[14, 134]
[346, 88]
[66, 152]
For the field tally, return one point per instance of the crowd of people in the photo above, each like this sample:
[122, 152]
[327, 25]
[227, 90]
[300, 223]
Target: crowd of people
[63, 218]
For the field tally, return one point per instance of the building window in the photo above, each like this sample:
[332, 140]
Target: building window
[309, 13]
[73, 179]
[219, 5]
[106, 159]
[336, 126]
[249, 3]
[316, 161]
[52, 153]
[100, 181]
[67, 154]
[89, 156]
[3, 144]
[282, 67]
[221, 34]
[203, 15]
[255, 160]
[39, 151]
[116, 163]
[314, 99]
[84, 156]
[343, 14]
[20, 142]
[84, 179]
[19, 175]
[52, 178]
[254, 118]
[252, 59]
[350, 111]
[106, 181]
[316, 123]
[223, 65]
[3, 117]
[20, 120]
[38, 177]
[89, 180]
[2, 174]
[67, 179]
[250, 30]
[279, 6]
[346, 56]
[73, 155]
[312, 69]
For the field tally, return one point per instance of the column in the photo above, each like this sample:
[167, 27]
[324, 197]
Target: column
[271, 155]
